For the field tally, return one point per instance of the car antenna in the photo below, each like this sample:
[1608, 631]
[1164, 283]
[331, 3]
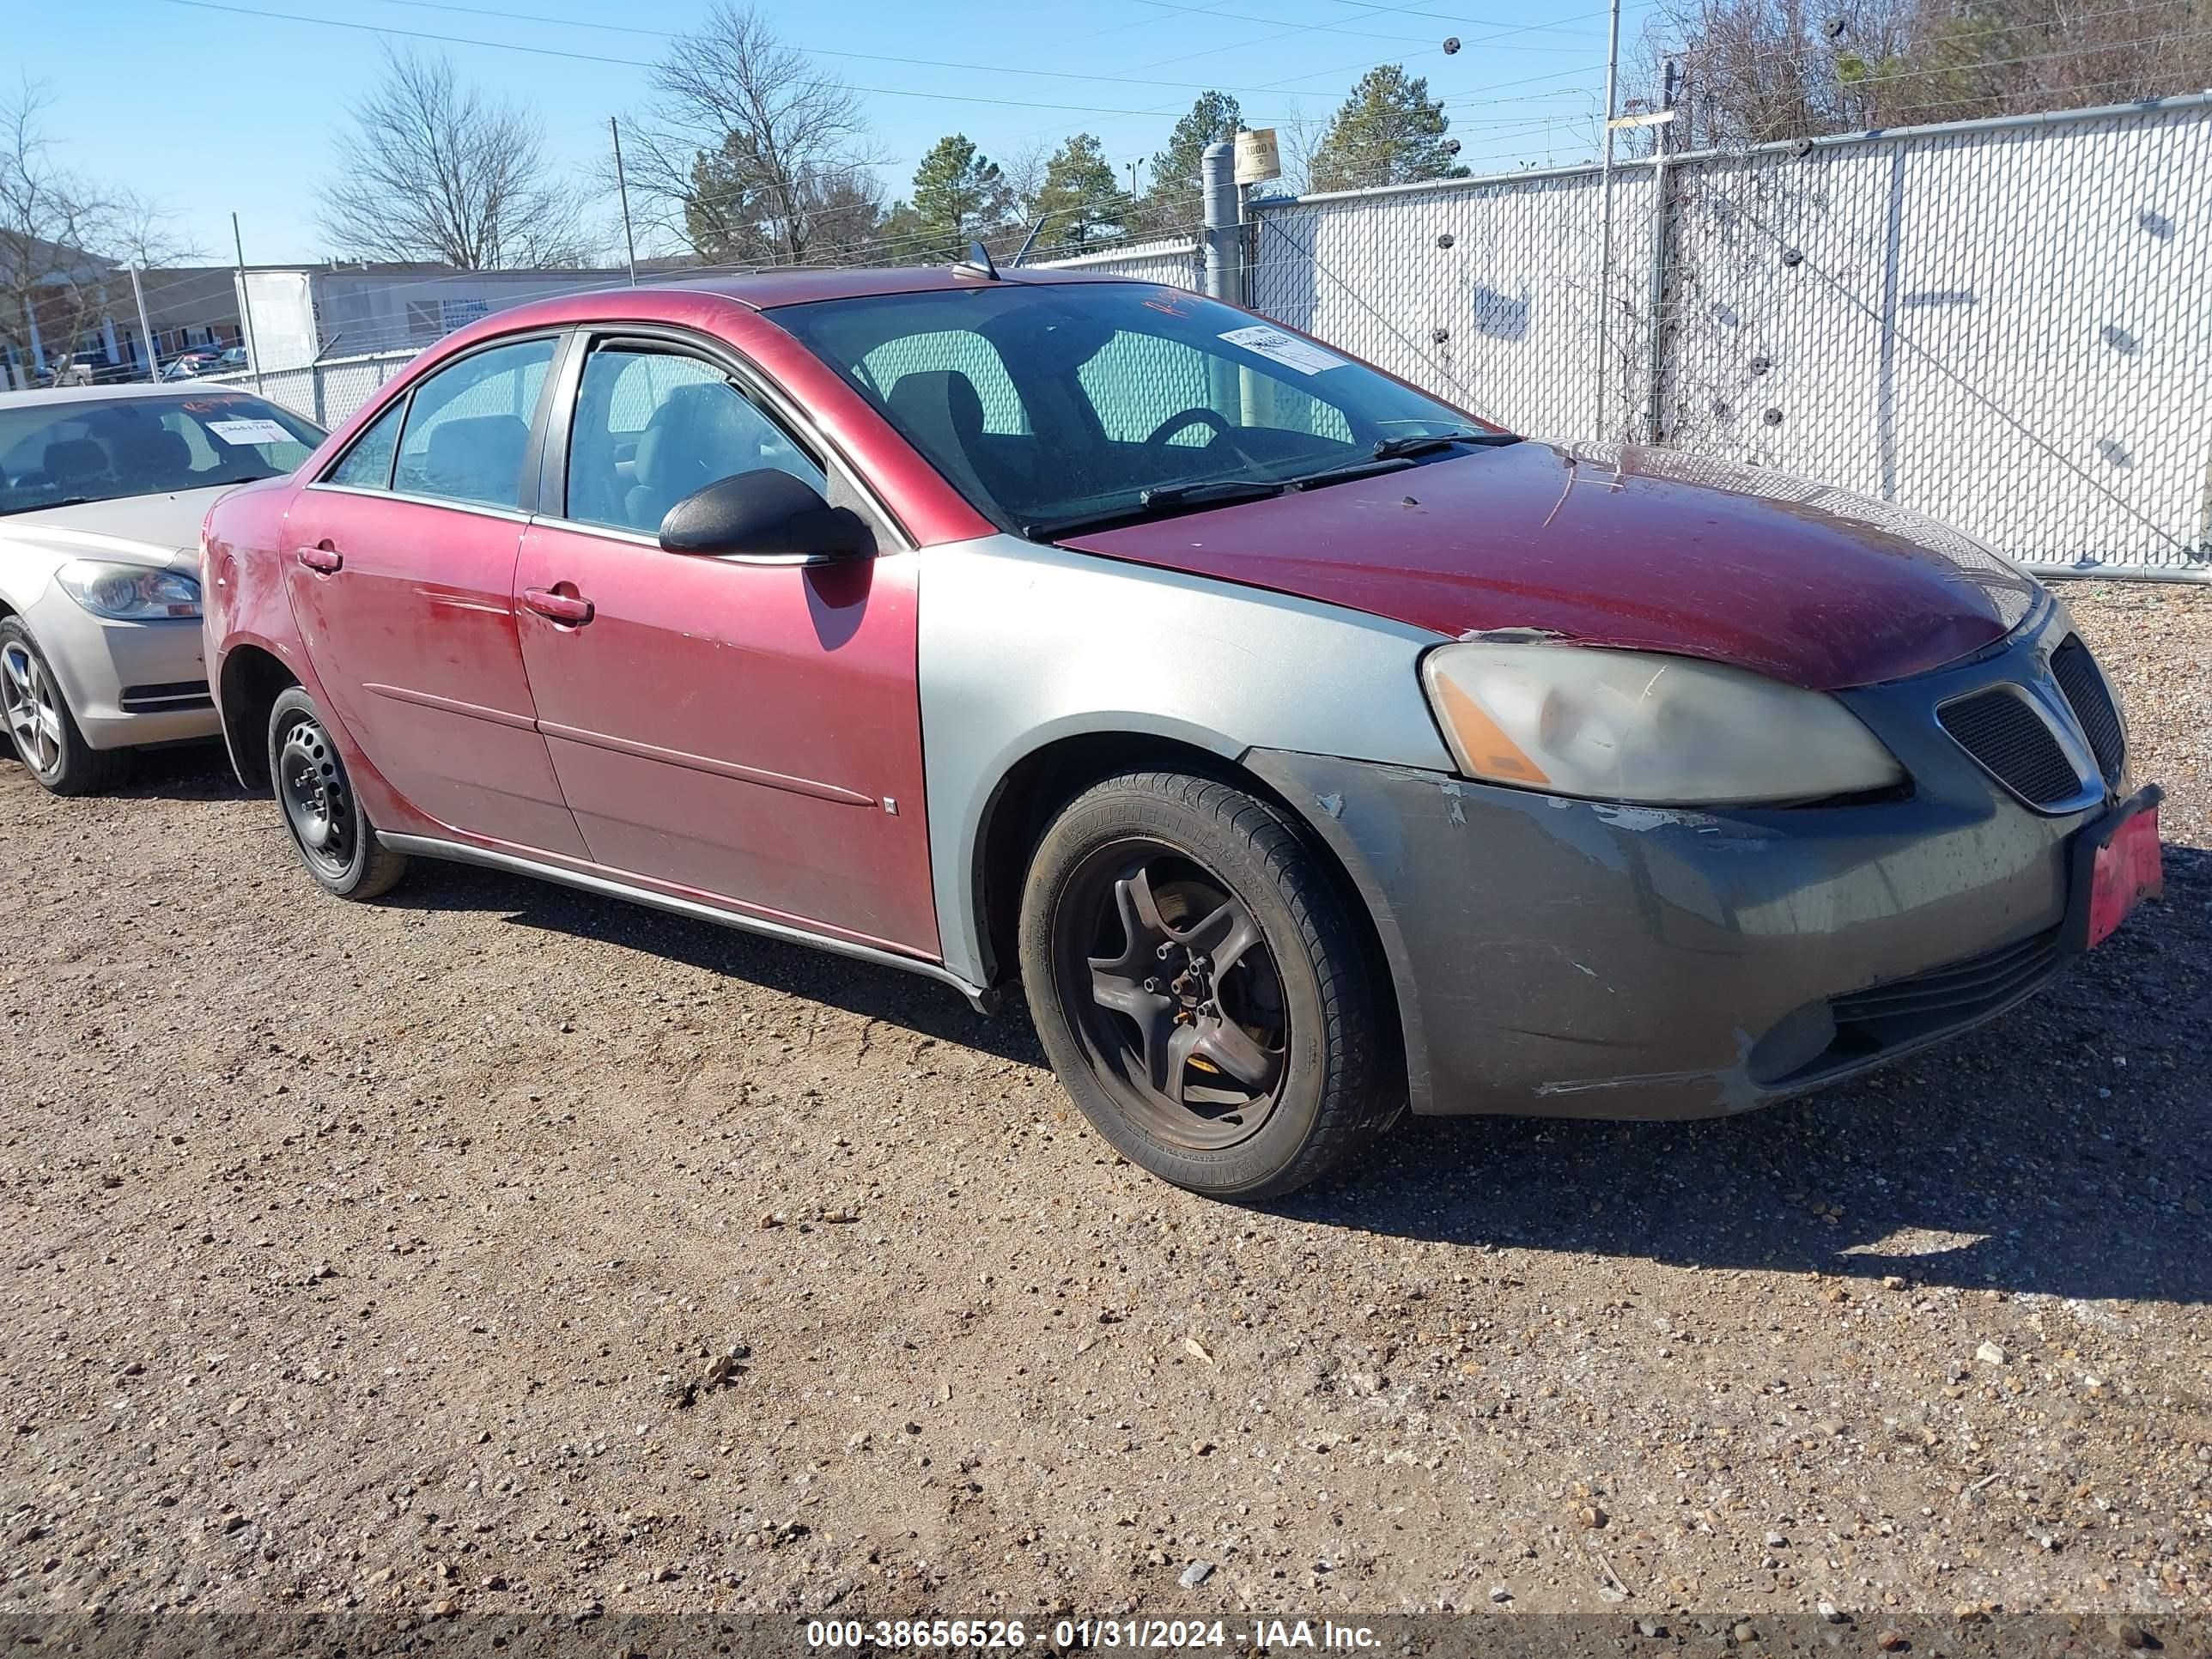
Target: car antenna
[979, 261]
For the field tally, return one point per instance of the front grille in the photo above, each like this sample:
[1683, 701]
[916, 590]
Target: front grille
[1946, 996]
[170, 696]
[2091, 698]
[2015, 744]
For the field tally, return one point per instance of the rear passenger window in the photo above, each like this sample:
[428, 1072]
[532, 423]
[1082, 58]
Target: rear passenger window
[367, 464]
[653, 426]
[468, 427]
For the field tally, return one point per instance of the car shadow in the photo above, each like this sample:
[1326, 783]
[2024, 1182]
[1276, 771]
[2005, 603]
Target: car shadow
[188, 771]
[920, 1004]
[2059, 1150]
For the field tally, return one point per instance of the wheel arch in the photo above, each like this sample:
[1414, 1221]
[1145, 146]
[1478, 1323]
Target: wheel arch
[1033, 790]
[252, 678]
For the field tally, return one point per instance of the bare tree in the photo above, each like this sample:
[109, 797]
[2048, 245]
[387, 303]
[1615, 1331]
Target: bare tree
[751, 152]
[437, 172]
[1761, 70]
[1024, 172]
[60, 238]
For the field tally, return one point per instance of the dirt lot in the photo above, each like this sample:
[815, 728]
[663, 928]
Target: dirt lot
[498, 1248]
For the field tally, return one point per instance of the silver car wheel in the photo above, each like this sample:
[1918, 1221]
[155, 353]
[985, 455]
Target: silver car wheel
[34, 720]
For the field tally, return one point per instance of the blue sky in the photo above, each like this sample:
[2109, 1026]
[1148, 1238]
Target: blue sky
[211, 109]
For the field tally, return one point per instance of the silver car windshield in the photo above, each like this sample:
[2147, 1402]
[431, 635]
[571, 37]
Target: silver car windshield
[1051, 405]
[58, 452]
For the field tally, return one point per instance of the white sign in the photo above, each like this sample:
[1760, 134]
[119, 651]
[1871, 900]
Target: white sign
[1287, 350]
[251, 432]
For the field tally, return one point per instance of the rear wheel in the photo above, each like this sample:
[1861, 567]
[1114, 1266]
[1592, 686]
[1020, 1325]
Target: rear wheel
[330, 828]
[1201, 989]
[39, 725]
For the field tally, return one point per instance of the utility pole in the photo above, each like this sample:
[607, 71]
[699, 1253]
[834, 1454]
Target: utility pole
[1605, 208]
[145, 328]
[621, 191]
[246, 303]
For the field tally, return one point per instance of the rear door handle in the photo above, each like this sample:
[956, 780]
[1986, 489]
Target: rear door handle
[561, 607]
[321, 556]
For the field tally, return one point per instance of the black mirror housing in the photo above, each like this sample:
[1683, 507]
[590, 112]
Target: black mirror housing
[765, 515]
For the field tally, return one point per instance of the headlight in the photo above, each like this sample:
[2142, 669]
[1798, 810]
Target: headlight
[1627, 725]
[130, 593]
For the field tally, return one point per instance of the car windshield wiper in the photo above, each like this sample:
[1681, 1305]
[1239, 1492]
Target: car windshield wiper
[40, 507]
[1162, 501]
[1392, 454]
[1421, 442]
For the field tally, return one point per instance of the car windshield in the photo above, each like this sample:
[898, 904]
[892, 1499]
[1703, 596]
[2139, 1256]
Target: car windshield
[1055, 407]
[59, 453]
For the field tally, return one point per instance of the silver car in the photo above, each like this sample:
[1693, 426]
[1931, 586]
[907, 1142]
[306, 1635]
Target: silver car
[102, 490]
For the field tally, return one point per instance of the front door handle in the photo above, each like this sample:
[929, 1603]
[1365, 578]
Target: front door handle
[565, 608]
[321, 556]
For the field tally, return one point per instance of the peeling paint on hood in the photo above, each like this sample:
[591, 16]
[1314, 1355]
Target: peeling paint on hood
[1631, 548]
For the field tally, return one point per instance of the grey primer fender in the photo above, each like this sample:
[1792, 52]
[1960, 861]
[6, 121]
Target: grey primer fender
[1022, 645]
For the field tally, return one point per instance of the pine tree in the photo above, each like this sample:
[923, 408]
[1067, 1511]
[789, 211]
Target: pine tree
[1172, 201]
[1390, 131]
[1081, 204]
[958, 196]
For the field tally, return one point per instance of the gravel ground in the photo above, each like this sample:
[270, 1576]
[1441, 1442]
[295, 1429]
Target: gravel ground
[496, 1248]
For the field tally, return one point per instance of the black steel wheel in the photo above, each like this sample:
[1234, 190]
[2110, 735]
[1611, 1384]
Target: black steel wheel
[330, 829]
[1201, 989]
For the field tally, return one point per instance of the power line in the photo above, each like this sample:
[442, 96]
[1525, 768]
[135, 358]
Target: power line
[628, 63]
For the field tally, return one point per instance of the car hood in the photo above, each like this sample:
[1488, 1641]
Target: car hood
[1629, 548]
[134, 529]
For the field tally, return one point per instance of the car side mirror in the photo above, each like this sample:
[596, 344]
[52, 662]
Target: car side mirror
[766, 515]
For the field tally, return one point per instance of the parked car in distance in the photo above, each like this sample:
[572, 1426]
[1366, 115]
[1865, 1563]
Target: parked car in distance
[102, 490]
[192, 362]
[233, 360]
[1305, 746]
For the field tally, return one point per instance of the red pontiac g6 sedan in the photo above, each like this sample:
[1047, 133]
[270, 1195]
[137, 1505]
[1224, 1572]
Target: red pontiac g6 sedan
[1306, 747]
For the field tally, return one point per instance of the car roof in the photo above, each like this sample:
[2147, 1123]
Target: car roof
[108, 394]
[765, 290]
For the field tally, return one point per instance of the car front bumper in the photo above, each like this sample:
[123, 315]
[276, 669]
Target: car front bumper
[129, 683]
[1574, 958]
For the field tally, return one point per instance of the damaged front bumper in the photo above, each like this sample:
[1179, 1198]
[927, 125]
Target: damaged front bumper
[1576, 958]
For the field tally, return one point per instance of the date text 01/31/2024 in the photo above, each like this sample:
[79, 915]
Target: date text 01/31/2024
[1275, 1635]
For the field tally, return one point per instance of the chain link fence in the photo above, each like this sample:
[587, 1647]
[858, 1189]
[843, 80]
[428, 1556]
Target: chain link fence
[2003, 324]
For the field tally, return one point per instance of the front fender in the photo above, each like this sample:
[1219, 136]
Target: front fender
[1023, 646]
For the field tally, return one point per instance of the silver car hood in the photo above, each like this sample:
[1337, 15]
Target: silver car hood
[155, 530]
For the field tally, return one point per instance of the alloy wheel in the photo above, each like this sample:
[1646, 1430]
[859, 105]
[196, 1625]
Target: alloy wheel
[31, 708]
[1177, 999]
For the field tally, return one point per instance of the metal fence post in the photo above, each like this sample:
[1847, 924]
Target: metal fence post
[1605, 210]
[145, 328]
[1662, 217]
[622, 191]
[246, 304]
[1225, 237]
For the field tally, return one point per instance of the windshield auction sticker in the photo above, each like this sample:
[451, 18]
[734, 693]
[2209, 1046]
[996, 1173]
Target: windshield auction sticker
[250, 431]
[1287, 350]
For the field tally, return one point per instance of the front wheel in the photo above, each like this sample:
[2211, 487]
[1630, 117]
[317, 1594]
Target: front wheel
[44, 734]
[1201, 989]
[330, 831]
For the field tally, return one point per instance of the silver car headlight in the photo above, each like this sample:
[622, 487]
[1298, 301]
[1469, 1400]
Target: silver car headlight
[1630, 725]
[130, 593]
